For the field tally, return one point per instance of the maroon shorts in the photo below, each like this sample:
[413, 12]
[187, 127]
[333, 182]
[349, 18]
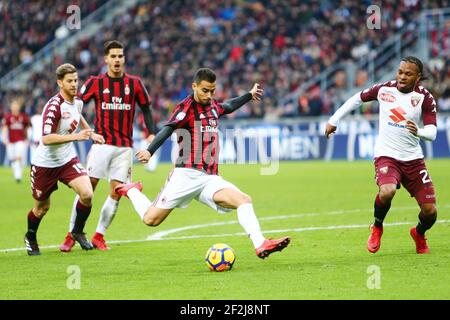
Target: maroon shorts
[413, 175]
[45, 180]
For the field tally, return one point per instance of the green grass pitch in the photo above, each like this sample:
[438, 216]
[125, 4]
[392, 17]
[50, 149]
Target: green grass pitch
[326, 208]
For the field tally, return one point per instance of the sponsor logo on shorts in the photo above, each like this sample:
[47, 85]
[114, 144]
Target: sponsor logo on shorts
[384, 170]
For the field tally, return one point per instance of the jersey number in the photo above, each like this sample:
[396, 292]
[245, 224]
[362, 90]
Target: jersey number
[426, 178]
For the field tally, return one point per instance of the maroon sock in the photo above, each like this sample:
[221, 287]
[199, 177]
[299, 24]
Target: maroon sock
[82, 215]
[380, 211]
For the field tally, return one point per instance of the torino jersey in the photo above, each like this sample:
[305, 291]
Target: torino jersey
[115, 101]
[396, 108]
[60, 117]
[17, 126]
[198, 134]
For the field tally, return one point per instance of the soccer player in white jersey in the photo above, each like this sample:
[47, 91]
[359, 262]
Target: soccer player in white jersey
[36, 131]
[55, 158]
[398, 156]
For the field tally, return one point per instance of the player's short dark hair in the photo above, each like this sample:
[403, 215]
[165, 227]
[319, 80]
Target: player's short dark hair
[205, 74]
[417, 62]
[64, 69]
[112, 44]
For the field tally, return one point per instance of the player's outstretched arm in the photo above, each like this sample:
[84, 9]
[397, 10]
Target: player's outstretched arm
[233, 104]
[144, 156]
[351, 104]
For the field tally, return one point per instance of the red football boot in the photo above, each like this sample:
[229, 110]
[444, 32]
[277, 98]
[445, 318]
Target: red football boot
[68, 244]
[270, 246]
[374, 241]
[420, 240]
[99, 242]
[123, 188]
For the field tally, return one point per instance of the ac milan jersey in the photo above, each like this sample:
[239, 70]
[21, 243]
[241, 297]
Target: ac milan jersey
[198, 134]
[396, 108]
[17, 126]
[115, 100]
[60, 117]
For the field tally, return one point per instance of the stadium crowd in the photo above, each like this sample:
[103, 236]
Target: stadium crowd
[280, 44]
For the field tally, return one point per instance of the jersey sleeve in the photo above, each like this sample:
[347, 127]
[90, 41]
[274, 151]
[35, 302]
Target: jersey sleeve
[87, 90]
[50, 118]
[143, 98]
[179, 116]
[370, 94]
[429, 109]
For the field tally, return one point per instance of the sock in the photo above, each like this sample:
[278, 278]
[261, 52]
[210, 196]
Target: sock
[33, 225]
[140, 202]
[380, 211]
[425, 222]
[82, 215]
[17, 169]
[74, 213]
[107, 215]
[247, 219]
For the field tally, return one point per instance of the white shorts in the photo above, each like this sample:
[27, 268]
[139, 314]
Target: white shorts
[16, 150]
[185, 184]
[110, 162]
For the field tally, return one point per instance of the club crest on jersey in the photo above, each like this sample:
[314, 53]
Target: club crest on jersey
[384, 170]
[66, 115]
[387, 97]
[127, 90]
[415, 101]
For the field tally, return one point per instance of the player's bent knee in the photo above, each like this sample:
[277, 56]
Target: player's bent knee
[429, 210]
[387, 192]
[86, 196]
[246, 198]
[152, 221]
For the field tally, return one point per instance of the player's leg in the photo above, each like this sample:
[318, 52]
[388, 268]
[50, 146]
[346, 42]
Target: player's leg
[83, 187]
[420, 186]
[120, 161]
[15, 159]
[182, 185]
[43, 184]
[34, 219]
[222, 196]
[388, 177]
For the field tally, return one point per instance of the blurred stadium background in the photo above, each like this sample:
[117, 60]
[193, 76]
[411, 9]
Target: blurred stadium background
[310, 56]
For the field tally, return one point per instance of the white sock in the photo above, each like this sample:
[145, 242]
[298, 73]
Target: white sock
[17, 169]
[107, 214]
[74, 213]
[247, 219]
[140, 202]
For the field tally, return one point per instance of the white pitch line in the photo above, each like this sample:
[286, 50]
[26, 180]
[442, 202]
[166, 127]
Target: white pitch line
[159, 235]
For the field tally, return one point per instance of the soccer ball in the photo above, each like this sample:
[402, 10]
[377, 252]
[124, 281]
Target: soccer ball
[220, 257]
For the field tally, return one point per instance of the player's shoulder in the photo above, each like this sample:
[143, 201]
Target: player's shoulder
[186, 102]
[56, 100]
[133, 76]
[379, 85]
[423, 90]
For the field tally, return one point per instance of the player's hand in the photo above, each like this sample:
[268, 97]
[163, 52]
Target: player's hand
[329, 129]
[412, 127]
[143, 156]
[84, 134]
[150, 138]
[257, 92]
[97, 138]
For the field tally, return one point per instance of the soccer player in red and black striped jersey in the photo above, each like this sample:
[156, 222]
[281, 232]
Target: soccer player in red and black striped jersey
[115, 94]
[195, 175]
